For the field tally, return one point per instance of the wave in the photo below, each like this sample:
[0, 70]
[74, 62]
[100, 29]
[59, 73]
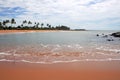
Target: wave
[3, 53]
[108, 49]
[42, 62]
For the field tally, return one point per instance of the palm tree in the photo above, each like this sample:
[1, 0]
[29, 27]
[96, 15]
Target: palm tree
[24, 22]
[37, 25]
[42, 24]
[49, 26]
[4, 23]
[7, 21]
[21, 25]
[1, 25]
[13, 21]
[29, 23]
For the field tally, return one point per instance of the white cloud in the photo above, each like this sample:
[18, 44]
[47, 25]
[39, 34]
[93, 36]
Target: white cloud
[73, 13]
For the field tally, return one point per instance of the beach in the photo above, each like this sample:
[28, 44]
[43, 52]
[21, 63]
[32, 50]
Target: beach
[58, 56]
[59, 39]
[25, 31]
[108, 70]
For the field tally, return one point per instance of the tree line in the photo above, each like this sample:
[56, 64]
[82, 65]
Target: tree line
[28, 25]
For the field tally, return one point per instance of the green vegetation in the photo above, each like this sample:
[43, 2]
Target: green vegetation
[28, 25]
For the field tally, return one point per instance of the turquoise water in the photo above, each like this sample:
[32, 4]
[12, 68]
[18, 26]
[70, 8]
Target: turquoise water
[63, 46]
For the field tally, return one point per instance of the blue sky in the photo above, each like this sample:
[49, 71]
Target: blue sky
[88, 14]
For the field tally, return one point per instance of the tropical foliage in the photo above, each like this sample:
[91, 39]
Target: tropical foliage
[28, 25]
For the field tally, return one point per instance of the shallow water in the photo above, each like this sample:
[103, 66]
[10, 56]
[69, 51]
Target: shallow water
[54, 47]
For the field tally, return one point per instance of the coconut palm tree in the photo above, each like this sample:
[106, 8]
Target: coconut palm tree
[24, 22]
[29, 23]
[4, 24]
[42, 24]
[12, 21]
[7, 21]
[49, 26]
[1, 27]
[37, 25]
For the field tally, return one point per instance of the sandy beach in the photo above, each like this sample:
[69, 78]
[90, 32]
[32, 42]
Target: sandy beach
[59, 39]
[16, 31]
[106, 65]
[107, 70]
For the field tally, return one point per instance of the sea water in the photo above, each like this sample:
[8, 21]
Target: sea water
[59, 46]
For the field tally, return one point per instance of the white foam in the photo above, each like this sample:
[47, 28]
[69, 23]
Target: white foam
[69, 46]
[3, 53]
[107, 49]
[6, 60]
[31, 61]
[58, 45]
[114, 50]
[17, 55]
[103, 53]
[52, 62]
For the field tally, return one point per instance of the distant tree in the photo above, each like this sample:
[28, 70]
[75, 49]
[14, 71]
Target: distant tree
[29, 23]
[12, 22]
[24, 22]
[19, 27]
[4, 24]
[42, 24]
[62, 28]
[49, 26]
[52, 28]
[37, 25]
[27, 26]
[0, 23]
[10, 28]
[7, 21]
[1, 27]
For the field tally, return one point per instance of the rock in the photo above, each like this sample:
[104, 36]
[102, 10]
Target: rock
[105, 36]
[102, 33]
[117, 34]
[110, 40]
[97, 35]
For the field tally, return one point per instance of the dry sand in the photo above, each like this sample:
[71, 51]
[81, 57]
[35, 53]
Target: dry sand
[104, 70]
[16, 31]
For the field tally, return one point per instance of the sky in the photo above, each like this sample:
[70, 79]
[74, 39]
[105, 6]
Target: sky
[85, 14]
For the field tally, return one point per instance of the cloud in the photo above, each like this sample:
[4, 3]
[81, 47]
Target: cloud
[74, 13]
[11, 12]
[94, 2]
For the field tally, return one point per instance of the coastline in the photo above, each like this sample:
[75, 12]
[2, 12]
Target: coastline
[27, 31]
[76, 70]
[101, 70]
[19, 31]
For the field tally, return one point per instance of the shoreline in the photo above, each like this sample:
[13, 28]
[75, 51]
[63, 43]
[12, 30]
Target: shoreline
[108, 70]
[27, 31]
[19, 31]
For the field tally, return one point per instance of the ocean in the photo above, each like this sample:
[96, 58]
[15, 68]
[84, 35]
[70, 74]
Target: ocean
[59, 46]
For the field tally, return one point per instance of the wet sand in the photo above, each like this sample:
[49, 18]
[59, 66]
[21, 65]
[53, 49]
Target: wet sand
[97, 70]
